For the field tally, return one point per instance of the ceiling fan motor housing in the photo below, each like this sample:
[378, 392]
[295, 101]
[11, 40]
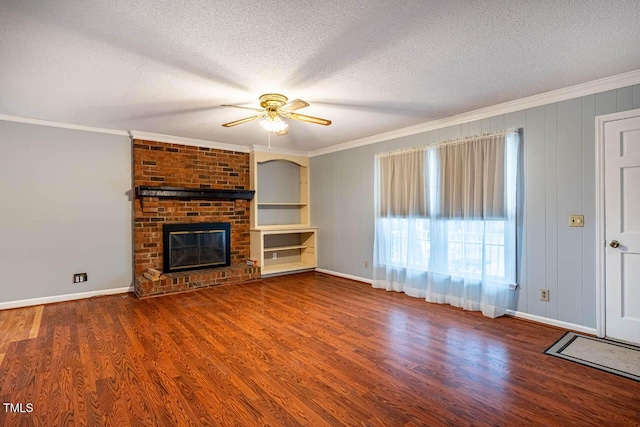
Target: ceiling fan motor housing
[272, 101]
[274, 105]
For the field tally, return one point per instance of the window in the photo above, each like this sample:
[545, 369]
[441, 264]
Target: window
[464, 244]
[445, 221]
[400, 241]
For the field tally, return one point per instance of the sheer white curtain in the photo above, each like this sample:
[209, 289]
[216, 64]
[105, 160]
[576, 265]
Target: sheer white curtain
[401, 223]
[460, 248]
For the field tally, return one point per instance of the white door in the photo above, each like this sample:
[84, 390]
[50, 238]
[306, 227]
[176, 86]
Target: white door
[622, 228]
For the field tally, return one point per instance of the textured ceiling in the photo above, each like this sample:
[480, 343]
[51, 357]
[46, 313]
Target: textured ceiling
[370, 66]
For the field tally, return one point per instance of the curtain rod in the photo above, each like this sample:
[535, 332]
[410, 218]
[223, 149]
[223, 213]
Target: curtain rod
[448, 142]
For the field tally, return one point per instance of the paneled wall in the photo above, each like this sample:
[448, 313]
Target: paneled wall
[558, 179]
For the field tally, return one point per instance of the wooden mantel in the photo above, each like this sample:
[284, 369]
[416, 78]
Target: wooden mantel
[193, 193]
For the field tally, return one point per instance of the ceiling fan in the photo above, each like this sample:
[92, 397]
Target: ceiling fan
[274, 107]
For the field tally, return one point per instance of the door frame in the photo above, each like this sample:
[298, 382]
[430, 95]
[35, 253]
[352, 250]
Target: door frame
[601, 242]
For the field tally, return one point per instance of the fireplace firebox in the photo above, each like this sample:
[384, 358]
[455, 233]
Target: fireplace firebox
[196, 246]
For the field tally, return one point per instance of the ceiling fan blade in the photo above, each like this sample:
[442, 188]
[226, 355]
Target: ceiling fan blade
[296, 104]
[310, 119]
[283, 132]
[244, 108]
[241, 121]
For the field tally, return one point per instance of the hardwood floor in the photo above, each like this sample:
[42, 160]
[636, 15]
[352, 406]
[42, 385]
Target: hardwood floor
[305, 349]
[17, 325]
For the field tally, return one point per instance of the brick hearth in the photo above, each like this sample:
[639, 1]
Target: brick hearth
[164, 164]
[180, 282]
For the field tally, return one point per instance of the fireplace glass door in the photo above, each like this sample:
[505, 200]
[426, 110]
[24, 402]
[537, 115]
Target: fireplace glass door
[196, 249]
[196, 246]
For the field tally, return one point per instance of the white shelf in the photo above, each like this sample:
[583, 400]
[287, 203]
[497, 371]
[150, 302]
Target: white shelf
[275, 204]
[284, 248]
[285, 268]
[286, 227]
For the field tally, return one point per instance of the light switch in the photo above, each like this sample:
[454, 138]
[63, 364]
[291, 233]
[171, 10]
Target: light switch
[576, 220]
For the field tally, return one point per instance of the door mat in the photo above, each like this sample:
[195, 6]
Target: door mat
[604, 354]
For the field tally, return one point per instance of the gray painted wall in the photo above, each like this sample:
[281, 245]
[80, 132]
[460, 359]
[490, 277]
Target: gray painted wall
[558, 162]
[65, 208]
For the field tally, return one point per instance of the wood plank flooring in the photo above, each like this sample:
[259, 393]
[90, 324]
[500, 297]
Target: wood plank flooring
[306, 349]
[17, 325]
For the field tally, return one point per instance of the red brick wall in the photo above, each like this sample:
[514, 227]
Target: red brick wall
[163, 164]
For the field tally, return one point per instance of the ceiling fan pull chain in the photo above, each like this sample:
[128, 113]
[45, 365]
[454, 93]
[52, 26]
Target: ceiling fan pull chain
[269, 139]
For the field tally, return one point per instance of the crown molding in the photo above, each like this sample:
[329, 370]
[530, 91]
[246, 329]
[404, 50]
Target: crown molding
[17, 119]
[277, 150]
[589, 88]
[157, 137]
[601, 85]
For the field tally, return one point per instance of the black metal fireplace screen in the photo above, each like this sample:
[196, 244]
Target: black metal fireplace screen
[196, 246]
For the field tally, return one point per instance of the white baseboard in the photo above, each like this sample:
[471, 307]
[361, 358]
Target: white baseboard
[552, 322]
[512, 313]
[346, 276]
[60, 298]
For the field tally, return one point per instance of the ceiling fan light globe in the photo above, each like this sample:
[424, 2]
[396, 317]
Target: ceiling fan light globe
[275, 124]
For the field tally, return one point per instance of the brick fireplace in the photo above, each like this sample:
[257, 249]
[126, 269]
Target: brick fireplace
[158, 164]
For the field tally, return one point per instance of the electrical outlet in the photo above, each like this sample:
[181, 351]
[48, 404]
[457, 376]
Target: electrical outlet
[80, 277]
[544, 295]
[366, 264]
[275, 255]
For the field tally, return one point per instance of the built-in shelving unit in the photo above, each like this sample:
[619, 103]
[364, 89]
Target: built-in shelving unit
[283, 250]
[281, 238]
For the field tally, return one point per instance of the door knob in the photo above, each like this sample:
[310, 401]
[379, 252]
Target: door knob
[614, 244]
